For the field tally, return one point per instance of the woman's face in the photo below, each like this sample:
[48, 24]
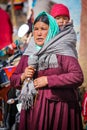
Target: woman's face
[40, 32]
[62, 20]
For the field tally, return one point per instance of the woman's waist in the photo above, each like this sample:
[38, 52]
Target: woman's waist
[60, 94]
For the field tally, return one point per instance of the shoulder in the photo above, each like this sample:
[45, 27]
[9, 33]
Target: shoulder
[23, 59]
[72, 66]
[66, 57]
[68, 61]
[23, 62]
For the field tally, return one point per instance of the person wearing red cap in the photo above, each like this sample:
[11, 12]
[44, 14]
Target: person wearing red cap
[61, 13]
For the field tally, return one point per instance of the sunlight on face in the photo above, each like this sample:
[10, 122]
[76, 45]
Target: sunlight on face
[40, 32]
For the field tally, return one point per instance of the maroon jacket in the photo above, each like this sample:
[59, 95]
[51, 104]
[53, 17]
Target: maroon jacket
[62, 81]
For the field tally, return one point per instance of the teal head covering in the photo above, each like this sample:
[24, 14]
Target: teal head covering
[53, 28]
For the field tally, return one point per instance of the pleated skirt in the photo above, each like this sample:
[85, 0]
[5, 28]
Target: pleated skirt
[50, 114]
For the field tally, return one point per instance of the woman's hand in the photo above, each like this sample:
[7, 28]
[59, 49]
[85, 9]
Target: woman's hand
[28, 73]
[40, 82]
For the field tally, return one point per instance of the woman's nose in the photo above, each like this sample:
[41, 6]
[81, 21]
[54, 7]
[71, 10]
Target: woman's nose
[39, 32]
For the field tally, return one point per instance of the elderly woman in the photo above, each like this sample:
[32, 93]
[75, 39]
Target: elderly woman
[49, 78]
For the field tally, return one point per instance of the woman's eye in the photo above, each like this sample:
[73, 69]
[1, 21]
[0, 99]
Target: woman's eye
[43, 28]
[35, 29]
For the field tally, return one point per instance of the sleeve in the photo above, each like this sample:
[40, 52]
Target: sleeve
[71, 75]
[16, 76]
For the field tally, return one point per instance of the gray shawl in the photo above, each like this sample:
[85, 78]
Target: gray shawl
[63, 44]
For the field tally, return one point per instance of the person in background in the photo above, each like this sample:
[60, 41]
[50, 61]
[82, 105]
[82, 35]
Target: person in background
[6, 32]
[48, 76]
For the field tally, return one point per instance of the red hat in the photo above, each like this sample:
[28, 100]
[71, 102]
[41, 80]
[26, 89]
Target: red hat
[59, 9]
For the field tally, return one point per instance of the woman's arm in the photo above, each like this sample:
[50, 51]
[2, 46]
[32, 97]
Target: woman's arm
[16, 76]
[72, 75]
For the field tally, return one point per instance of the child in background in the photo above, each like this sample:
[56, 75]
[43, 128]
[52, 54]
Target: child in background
[61, 13]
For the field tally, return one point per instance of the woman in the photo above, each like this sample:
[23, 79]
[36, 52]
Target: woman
[55, 76]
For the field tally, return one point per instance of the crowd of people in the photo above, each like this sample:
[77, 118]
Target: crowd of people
[49, 74]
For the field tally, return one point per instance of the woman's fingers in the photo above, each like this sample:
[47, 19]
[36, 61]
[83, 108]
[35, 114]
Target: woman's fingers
[40, 82]
[29, 72]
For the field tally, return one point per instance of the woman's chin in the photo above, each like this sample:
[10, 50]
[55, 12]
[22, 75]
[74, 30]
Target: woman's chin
[40, 44]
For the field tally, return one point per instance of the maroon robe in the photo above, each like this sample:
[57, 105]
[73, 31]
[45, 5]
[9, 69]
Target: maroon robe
[56, 106]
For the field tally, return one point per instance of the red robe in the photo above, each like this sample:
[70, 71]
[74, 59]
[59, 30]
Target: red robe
[84, 107]
[6, 29]
[56, 106]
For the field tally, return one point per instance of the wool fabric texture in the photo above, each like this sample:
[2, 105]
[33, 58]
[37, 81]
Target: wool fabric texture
[59, 10]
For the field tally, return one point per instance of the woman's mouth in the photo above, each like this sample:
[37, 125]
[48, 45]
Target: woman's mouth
[39, 39]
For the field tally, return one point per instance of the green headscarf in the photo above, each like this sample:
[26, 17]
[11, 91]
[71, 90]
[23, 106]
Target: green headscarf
[53, 28]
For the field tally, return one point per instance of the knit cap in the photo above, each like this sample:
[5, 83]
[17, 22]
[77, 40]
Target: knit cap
[59, 10]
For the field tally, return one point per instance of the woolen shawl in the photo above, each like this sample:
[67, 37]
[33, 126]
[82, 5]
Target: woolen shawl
[64, 43]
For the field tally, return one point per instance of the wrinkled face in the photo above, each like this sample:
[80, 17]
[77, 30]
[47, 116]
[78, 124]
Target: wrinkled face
[62, 20]
[40, 32]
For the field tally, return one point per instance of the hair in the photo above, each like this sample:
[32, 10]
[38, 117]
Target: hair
[42, 18]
